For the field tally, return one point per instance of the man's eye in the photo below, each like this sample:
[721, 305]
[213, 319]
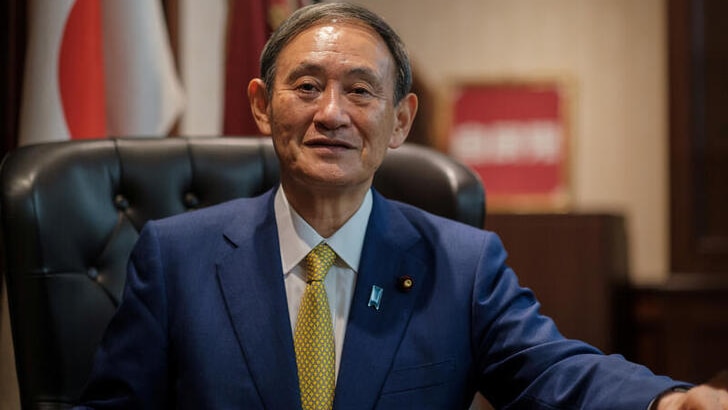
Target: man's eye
[361, 91]
[307, 87]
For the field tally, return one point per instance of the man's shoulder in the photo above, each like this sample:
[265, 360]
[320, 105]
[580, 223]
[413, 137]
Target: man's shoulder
[221, 214]
[440, 238]
[420, 217]
[444, 231]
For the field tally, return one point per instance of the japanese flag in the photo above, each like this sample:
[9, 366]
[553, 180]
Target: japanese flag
[95, 69]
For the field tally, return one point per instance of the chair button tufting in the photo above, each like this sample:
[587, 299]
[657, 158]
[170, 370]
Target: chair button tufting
[92, 273]
[191, 200]
[121, 202]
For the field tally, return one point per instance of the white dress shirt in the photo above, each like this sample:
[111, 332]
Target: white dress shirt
[297, 238]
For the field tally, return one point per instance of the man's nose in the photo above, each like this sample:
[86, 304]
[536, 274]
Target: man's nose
[331, 113]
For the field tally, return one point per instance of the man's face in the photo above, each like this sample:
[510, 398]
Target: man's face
[331, 111]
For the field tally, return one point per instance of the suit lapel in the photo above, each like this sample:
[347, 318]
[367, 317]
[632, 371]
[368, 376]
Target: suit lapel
[372, 336]
[251, 280]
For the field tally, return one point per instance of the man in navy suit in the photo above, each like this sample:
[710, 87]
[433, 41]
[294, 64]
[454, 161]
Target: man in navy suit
[424, 311]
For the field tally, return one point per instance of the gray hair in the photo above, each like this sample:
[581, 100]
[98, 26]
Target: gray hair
[311, 15]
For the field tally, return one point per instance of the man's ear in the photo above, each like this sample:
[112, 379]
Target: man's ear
[258, 96]
[404, 114]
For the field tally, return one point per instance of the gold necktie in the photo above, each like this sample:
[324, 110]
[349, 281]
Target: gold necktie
[313, 338]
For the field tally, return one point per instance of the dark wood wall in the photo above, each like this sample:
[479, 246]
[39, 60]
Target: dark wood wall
[681, 327]
[698, 92]
[576, 264]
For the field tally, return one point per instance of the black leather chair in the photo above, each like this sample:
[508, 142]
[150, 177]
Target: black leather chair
[71, 212]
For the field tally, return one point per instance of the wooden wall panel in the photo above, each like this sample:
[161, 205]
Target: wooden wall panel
[577, 266]
[698, 78]
[681, 327]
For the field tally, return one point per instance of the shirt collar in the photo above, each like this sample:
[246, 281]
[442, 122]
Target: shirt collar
[296, 237]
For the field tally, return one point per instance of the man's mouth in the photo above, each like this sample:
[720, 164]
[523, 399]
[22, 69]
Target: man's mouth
[327, 143]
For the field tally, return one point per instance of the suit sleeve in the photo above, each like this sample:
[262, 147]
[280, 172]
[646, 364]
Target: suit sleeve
[525, 363]
[130, 368]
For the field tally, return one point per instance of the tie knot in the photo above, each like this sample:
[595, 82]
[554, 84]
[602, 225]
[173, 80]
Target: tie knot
[318, 262]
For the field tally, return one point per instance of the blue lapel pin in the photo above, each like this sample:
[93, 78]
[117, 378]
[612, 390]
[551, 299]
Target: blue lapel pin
[375, 297]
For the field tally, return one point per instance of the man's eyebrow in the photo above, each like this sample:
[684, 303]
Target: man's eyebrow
[304, 69]
[366, 73]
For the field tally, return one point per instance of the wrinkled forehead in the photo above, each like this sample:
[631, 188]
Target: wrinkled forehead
[342, 35]
[331, 24]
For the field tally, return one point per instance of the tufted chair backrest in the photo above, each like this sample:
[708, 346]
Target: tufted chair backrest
[71, 212]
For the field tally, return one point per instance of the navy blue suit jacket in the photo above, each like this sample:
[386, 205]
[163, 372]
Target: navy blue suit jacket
[204, 324]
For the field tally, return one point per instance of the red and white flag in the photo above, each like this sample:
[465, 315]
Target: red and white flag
[144, 95]
[96, 69]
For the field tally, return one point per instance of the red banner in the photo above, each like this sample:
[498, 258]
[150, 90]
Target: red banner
[514, 136]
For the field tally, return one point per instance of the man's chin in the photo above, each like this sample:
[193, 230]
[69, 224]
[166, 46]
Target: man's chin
[333, 179]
